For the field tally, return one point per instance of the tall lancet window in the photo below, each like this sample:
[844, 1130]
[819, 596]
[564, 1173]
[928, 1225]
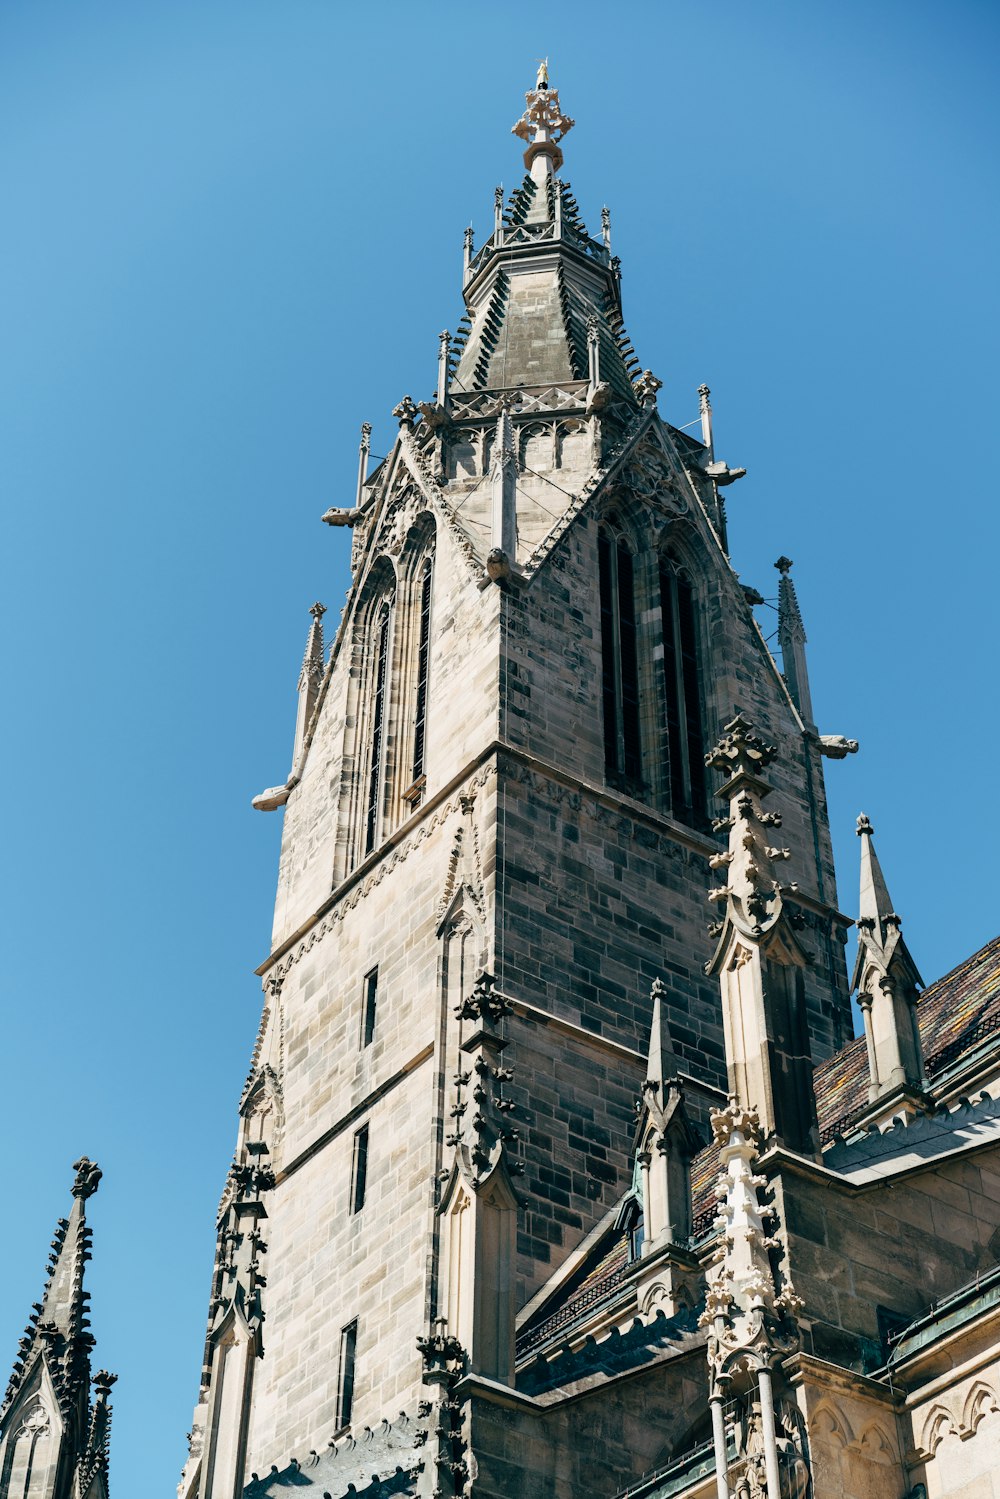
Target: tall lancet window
[376, 737]
[619, 659]
[682, 693]
[423, 667]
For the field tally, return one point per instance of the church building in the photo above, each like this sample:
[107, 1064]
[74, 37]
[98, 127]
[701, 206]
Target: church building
[559, 1171]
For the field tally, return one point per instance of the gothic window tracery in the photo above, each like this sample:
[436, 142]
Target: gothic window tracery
[376, 730]
[28, 1454]
[412, 690]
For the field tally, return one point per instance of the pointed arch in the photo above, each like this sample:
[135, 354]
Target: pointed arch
[876, 1444]
[413, 674]
[30, 1451]
[234, 1348]
[979, 1401]
[366, 725]
[829, 1425]
[938, 1424]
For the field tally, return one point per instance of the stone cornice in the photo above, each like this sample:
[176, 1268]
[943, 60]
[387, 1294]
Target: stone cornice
[416, 828]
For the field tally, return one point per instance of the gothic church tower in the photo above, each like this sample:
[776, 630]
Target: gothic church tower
[497, 845]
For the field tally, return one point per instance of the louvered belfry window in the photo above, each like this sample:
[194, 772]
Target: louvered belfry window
[377, 736]
[682, 692]
[619, 660]
[423, 665]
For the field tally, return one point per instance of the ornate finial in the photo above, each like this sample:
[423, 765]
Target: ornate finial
[703, 396]
[542, 125]
[103, 1381]
[468, 239]
[366, 434]
[592, 329]
[784, 566]
[88, 1176]
[865, 825]
[317, 611]
[405, 412]
[740, 751]
[498, 199]
[646, 387]
[606, 226]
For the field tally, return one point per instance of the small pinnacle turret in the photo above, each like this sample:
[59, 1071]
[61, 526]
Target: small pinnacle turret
[759, 957]
[887, 982]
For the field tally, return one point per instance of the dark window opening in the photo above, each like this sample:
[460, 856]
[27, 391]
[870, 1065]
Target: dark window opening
[375, 742]
[423, 661]
[345, 1378]
[619, 662]
[359, 1173]
[371, 1005]
[682, 686]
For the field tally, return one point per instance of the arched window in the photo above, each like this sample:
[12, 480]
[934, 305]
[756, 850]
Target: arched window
[412, 670]
[376, 730]
[682, 694]
[423, 602]
[619, 660]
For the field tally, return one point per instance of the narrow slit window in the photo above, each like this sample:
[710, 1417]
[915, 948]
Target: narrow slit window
[682, 691]
[345, 1377]
[423, 663]
[370, 1008]
[619, 661]
[377, 735]
[359, 1170]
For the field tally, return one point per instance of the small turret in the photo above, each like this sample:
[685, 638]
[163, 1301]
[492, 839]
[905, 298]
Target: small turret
[887, 981]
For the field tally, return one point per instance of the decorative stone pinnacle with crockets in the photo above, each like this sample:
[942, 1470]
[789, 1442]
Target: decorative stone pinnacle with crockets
[480, 1111]
[752, 892]
[750, 1307]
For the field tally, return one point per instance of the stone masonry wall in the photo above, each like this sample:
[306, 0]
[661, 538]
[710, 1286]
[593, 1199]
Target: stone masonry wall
[900, 1245]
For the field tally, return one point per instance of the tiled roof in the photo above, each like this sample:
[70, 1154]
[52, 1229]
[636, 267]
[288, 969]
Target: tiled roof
[955, 1014]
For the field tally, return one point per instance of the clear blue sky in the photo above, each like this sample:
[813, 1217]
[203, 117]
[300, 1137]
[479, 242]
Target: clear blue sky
[233, 230]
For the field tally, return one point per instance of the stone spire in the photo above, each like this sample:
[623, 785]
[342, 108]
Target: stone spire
[542, 126]
[792, 639]
[478, 1208]
[887, 981]
[533, 287]
[759, 958]
[47, 1405]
